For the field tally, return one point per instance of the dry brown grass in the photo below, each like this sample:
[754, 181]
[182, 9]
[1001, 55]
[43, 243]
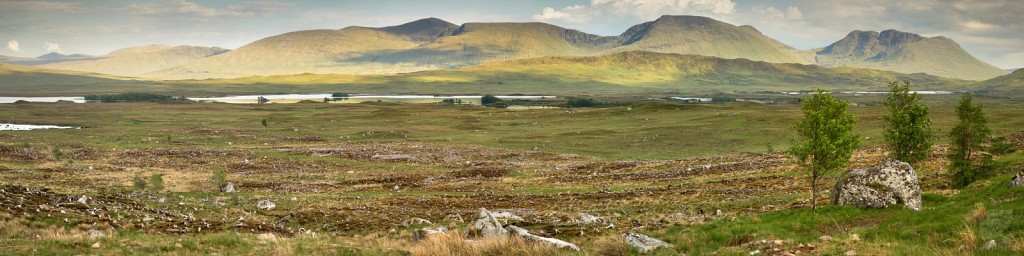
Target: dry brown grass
[979, 214]
[11, 226]
[969, 239]
[454, 244]
[610, 245]
[1017, 243]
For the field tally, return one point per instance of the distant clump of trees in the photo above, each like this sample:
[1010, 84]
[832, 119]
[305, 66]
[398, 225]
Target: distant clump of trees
[581, 103]
[134, 97]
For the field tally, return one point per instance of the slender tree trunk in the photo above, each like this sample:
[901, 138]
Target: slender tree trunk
[814, 188]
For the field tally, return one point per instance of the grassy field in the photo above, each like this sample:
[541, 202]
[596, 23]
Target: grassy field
[352, 172]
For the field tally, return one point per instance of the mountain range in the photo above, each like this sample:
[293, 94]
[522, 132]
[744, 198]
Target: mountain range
[434, 44]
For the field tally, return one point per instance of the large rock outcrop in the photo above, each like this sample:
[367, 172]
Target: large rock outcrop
[644, 243]
[888, 183]
[485, 225]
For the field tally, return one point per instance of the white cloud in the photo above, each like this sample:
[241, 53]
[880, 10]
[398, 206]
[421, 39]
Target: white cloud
[645, 10]
[52, 47]
[13, 45]
[791, 13]
[188, 8]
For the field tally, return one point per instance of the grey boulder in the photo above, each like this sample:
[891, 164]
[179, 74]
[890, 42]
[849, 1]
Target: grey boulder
[888, 183]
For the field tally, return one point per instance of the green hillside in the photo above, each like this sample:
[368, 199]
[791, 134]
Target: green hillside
[906, 53]
[1013, 80]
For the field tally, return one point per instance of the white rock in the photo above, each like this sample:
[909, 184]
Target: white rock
[415, 221]
[825, 238]
[229, 188]
[425, 233]
[644, 243]
[530, 237]
[94, 234]
[265, 205]
[991, 244]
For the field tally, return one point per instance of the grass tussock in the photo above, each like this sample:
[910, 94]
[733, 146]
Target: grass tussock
[979, 213]
[969, 239]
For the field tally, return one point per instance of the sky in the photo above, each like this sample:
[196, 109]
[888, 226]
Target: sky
[992, 30]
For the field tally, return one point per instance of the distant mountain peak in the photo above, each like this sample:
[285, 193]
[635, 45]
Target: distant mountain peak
[423, 29]
[52, 56]
[905, 52]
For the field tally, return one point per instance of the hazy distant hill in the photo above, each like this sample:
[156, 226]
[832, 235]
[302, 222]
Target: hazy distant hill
[48, 58]
[136, 61]
[1015, 79]
[905, 53]
[706, 36]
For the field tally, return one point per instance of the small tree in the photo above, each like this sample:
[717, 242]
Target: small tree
[219, 179]
[907, 129]
[264, 123]
[827, 135]
[966, 139]
[156, 182]
[138, 182]
[489, 99]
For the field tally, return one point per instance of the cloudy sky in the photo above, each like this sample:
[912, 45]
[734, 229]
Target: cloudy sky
[992, 30]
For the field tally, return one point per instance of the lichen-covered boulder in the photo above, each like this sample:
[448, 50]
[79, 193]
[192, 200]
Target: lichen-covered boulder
[888, 183]
[265, 205]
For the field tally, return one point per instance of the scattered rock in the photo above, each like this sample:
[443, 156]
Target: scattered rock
[850, 253]
[644, 243]
[425, 233]
[889, 183]
[415, 221]
[96, 245]
[485, 225]
[825, 238]
[1017, 181]
[755, 252]
[854, 238]
[95, 234]
[588, 219]
[990, 245]
[229, 188]
[265, 205]
[530, 237]
[83, 200]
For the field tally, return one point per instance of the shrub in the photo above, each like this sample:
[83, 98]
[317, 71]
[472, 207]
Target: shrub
[581, 102]
[219, 179]
[156, 182]
[138, 182]
[489, 99]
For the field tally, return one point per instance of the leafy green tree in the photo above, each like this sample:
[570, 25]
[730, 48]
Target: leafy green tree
[138, 182]
[827, 138]
[907, 130]
[489, 99]
[966, 140]
[264, 123]
[581, 102]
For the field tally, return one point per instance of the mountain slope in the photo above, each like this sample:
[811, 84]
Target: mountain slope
[1015, 79]
[315, 51]
[140, 60]
[616, 73]
[706, 36]
[905, 53]
[17, 77]
[433, 44]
